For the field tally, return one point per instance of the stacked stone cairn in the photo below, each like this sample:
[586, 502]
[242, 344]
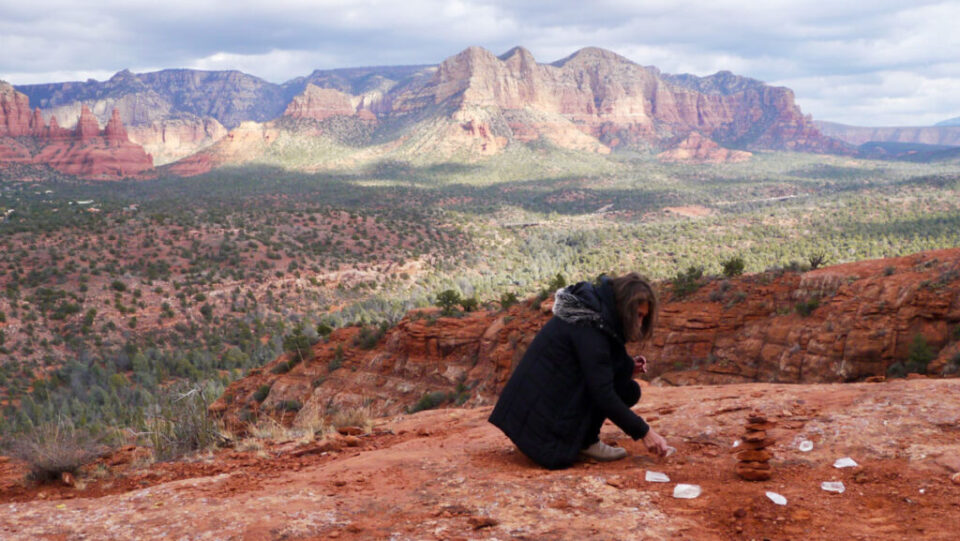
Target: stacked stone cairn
[752, 455]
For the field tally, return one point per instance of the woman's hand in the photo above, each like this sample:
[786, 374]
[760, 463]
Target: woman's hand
[639, 365]
[655, 443]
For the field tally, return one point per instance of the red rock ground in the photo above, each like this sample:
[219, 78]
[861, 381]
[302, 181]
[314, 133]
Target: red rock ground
[447, 474]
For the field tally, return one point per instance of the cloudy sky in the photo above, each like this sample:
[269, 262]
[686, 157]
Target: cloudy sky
[874, 63]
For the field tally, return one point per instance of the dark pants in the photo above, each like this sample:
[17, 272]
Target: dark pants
[629, 392]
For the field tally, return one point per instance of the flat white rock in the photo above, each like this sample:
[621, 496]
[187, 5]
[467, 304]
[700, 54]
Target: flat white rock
[686, 492]
[806, 446]
[776, 498]
[833, 486]
[656, 477]
[845, 462]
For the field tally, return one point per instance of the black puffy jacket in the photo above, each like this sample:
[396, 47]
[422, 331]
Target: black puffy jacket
[574, 368]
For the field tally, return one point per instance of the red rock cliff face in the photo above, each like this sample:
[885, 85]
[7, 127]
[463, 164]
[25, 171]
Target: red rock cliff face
[16, 119]
[747, 329]
[320, 103]
[86, 152]
[170, 140]
[619, 102]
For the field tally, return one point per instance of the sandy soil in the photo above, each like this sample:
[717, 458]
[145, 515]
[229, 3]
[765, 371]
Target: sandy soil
[447, 474]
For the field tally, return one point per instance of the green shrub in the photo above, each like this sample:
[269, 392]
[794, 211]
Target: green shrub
[507, 300]
[687, 282]
[179, 422]
[896, 370]
[52, 449]
[290, 405]
[298, 344]
[261, 393]
[953, 366]
[324, 330]
[919, 355]
[368, 337]
[469, 305]
[117, 285]
[556, 283]
[282, 368]
[733, 267]
[805, 308]
[817, 259]
[430, 401]
[337, 361]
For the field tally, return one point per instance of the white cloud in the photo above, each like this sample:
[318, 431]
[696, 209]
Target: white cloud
[273, 66]
[865, 63]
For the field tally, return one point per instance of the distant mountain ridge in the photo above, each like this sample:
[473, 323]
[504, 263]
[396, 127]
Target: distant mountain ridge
[942, 134]
[949, 122]
[470, 105]
[478, 104]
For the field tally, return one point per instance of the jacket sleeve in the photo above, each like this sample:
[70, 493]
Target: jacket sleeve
[597, 364]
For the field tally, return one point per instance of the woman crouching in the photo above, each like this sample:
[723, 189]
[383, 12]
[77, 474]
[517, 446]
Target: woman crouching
[577, 373]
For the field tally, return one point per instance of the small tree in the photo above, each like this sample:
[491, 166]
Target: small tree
[447, 300]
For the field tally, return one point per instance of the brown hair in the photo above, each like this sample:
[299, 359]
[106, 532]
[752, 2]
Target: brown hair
[630, 290]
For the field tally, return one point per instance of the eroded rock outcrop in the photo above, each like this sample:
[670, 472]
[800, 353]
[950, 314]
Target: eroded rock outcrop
[86, 151]
[842, 323]
[696, 148]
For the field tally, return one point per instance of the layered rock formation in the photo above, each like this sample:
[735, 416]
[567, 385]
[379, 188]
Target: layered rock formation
[86, 151]
[753, 328]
